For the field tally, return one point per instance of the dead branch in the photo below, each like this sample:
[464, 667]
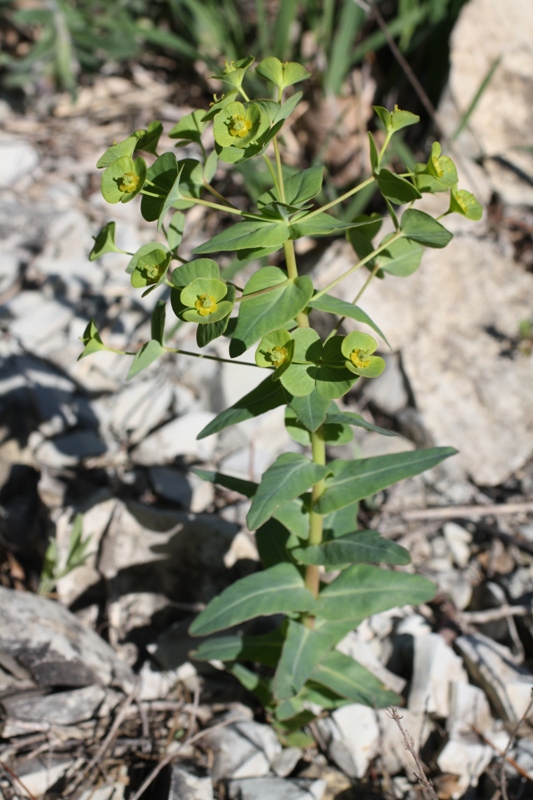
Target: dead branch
[426, 785]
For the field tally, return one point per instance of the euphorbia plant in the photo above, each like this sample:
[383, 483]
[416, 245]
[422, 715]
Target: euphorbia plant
[304, 509]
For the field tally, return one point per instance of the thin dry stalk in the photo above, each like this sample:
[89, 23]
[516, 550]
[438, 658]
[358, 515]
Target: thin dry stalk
[428, 790]
[108, 741]
[170, 758]
[15, 777]
[451, 512]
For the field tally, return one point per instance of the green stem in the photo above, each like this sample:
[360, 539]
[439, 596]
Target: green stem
[209, 358]
[340, 199]
[272, 171]
[365, 260]
[316, 520]
[280, 170]
[217, 206]
[216, 194]
[385, 145]
[357, 297]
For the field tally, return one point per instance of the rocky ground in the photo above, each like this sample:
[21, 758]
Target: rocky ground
[97, 692]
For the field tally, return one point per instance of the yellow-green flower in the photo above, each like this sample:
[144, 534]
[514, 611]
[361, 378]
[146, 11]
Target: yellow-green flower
[357, 348]
[123, 179]
[203, 301]
[275, 350]
[237, 125]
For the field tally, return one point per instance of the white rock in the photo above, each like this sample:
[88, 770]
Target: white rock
[469, 708]
[189, 491]
[185, 785]
[467, 759]
[141, 406]
[491, 666]
[435, 667]
[276, 789]
[284, 763]
[362, 652]
[458, 539]
[39, 774]
[37, 329]
[388, 391]
[61, 708]
[17, 159]
[485, 31]
[355, 738]
[69, 449]
[177, 438]
[235, 755]
[440, 318]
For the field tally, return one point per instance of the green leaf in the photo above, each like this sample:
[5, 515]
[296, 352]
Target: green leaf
[350, 418]
[162, 174]
[247, 488]
[299, 188]
[199, 268]
[271, 540]
[346, 677]
[361, 547]
[210, 166]
[290, 475]
[277, 590]
[319, 225]
[268, 395]
[148, 353]
[189, 128]
[104, 242]
[398, 190]
[331, 433]
[295, 516]
[362, 590]
[264, 649]
[342, 308]
[252, 682]
[341, 521]
[311, 410]
[302, 650]
[397, 119]
[374, 156]
[294, 73]
[158, 321]
[464, 203]
[238, 125]
[149, 139]
[402, 258]
[150, 267]
[116, 151]
[355, 480]
[271, 310]
[253, 233]
[441, 168]
[333, 379]
[175, 230]
[92, 341]
[144, 250]
[286, 110]
[271, 69]
[420, 227]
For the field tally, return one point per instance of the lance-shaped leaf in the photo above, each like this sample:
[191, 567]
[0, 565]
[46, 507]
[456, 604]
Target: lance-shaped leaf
[354, 480]
[268, 395]
[252, 682]
[332, 433]
[351, 418]
[319, 225]
[397, 190]
[272, 539]
[420, 227]
[273, 309]
[263, 649]
[346, 677]
[148, 353]
[362, 590]
[162, 174]
[342, 308]
[278, 590]
[244, 235]
[290, 475]
[361, 547]
[302, 650]
[341, 521]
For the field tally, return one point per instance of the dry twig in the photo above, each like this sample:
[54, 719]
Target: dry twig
[15, 777]
[428, 790]
[457, 512]
[171, 756]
